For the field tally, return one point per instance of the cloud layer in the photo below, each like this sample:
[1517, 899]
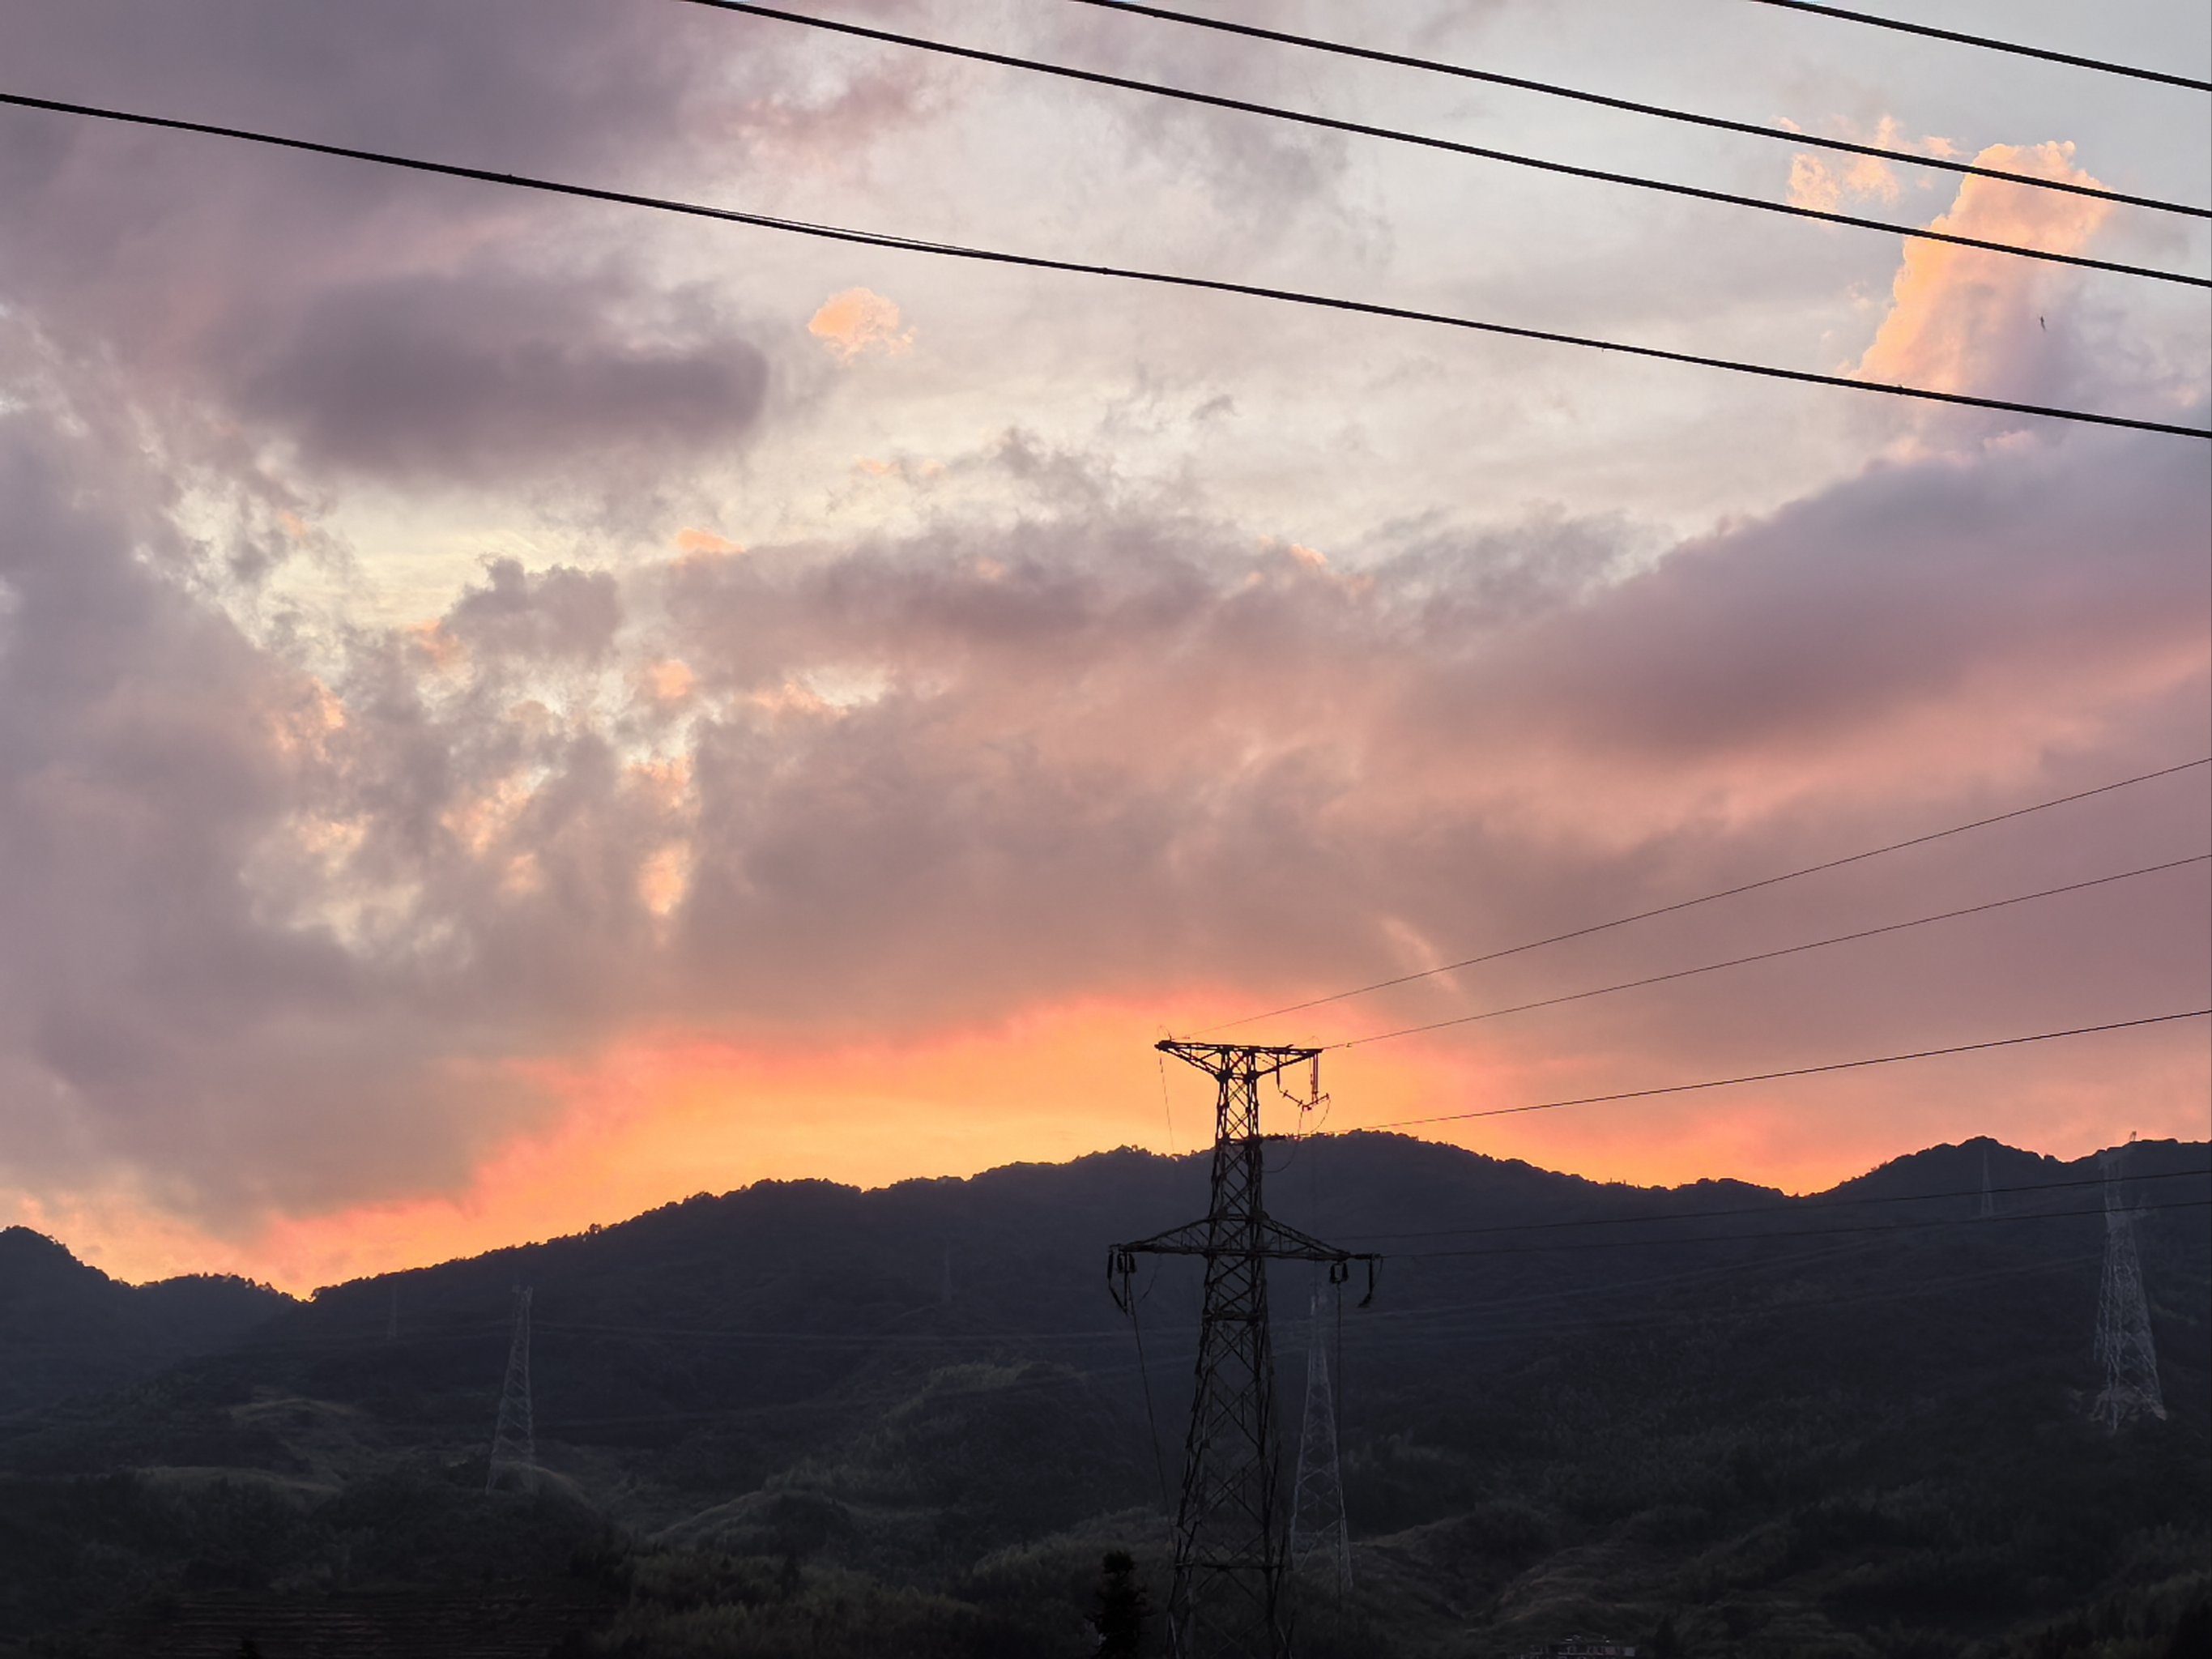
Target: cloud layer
[283, 942]
[867, 829]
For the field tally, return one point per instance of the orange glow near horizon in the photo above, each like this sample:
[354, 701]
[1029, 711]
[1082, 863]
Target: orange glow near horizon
[662, 1115]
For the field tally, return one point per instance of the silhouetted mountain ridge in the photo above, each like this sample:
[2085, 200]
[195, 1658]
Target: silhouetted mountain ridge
[1850, 1422]
[68, 1328]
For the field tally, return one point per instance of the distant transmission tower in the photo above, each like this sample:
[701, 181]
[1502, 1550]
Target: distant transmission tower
[513, 1441]
[2124, 1339]
[1228, 1599]
[1321, 1549]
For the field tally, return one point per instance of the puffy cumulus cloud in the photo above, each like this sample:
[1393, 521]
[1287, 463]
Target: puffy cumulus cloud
[159, 1026]
[1964, 319]
[857, 323]
[1814, 184]
[1827, 180]
[561, 612]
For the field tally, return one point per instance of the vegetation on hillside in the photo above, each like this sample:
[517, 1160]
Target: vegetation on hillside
[767, 1429]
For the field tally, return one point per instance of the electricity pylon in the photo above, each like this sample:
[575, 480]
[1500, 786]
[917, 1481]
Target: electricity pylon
[513, 1440]
[1227, 1599]
[1320, 1548]
[2124, 1339]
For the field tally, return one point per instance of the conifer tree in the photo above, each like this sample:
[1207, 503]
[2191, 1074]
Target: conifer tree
[1122, 1608]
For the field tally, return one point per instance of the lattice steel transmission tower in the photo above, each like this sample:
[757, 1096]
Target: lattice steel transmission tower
[1229, 1601]
[2124, 1339]
[1321, 1547]
[514, 1439]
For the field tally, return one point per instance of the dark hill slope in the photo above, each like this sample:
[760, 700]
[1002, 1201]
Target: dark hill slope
[67, 1329]
[1849, 1424]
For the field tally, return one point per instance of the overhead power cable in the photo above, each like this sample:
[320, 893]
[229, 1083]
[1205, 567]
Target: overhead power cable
[1785, 1232]
[1769, 955]
[1709, 898]
[1125, 273]
[1433, 1333]
[1797, 1071]
[1425, 1336]
[1662, 111]
[1780, 1204]
[1398, 136]
[1985, 42]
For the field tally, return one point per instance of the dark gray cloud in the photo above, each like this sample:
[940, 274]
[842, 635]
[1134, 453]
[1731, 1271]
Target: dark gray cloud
[563, 612]
[1901, 590]
[370, 322]
[469, 374]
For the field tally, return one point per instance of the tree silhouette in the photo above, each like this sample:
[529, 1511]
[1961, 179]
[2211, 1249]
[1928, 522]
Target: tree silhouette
[1122, 1608]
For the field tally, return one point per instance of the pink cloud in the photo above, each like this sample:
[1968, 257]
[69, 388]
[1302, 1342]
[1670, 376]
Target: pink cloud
[1964, 319]
[858, 322]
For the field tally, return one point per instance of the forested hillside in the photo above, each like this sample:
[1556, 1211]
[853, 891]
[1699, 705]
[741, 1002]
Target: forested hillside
[805, 1418]
[67, 1329]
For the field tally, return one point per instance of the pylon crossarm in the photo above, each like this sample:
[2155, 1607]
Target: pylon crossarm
[1247, 1059]
[1287, 1242]
[1277, 1242]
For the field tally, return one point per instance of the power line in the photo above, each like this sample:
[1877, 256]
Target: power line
[924, 1395]
[1769, 955]
[1437, 1333]
[1662, 111]
[1985, 41]
[1780, 1206]
[1038, 262]
[1799, 1070]
[1398, 136]
[1788, 1232]
[1708, 898]
[1433, 1315]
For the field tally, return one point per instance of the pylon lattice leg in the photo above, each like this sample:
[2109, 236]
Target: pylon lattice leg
[2125, 1351]
[514, 1438]
[1321, 1547]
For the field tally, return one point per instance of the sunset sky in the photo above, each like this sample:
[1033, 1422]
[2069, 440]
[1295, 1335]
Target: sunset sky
[513, 710]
